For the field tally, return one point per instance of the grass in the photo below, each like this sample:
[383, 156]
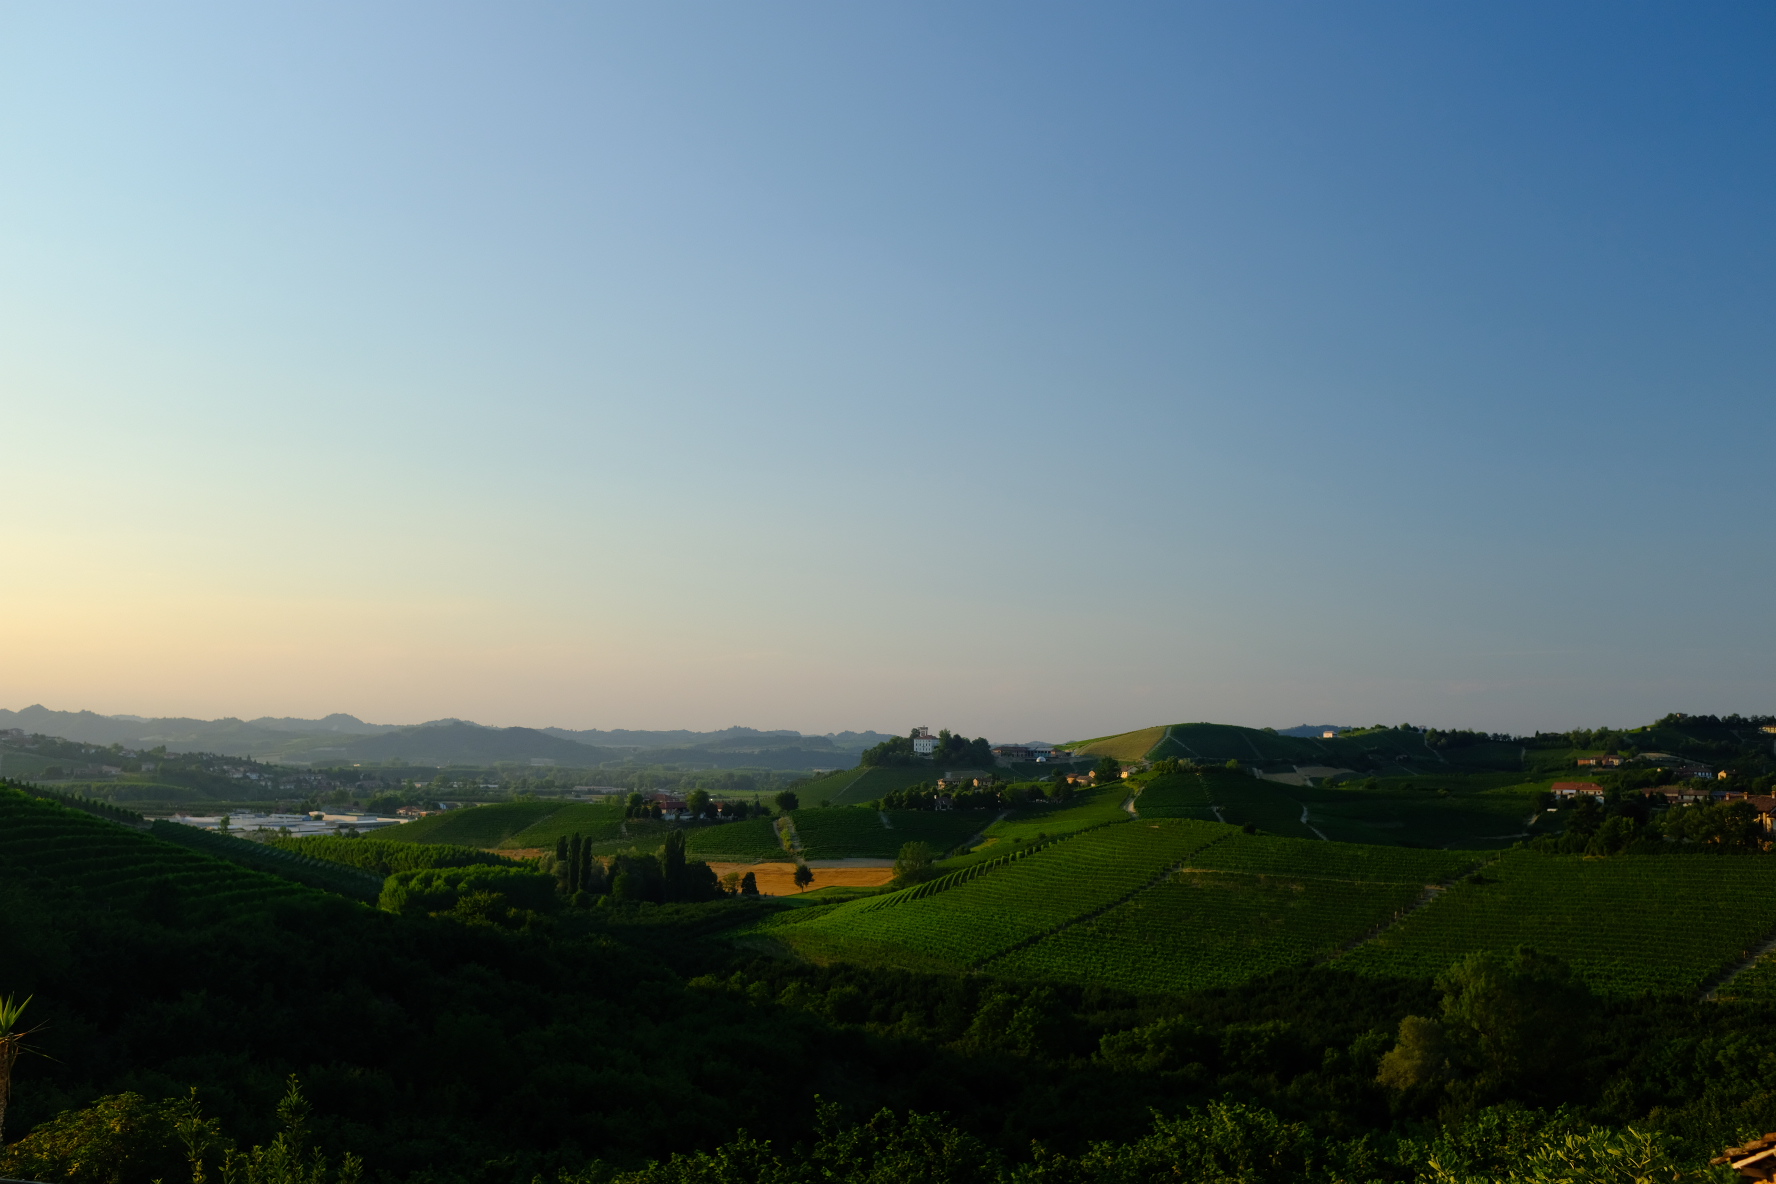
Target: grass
[1020, 901]
[476, 826]
[1128, 746]
[1658, 924]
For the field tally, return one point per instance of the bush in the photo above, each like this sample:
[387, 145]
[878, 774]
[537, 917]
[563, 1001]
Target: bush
[438, 890]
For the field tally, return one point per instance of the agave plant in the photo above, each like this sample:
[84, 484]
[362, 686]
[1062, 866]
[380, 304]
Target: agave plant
[12, 1042]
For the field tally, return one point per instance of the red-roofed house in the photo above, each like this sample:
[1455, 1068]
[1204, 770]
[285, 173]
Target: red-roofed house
[1574, 789]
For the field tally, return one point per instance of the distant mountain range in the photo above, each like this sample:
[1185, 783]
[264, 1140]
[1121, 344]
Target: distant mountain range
[346, 739]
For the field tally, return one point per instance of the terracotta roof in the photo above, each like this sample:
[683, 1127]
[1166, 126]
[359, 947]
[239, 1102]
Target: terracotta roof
[1753, 1159]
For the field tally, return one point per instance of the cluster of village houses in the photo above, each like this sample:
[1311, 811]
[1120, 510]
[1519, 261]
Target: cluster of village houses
[1689, 790]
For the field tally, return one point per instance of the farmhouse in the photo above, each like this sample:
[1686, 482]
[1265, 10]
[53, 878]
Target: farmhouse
[924, 743]
[1607, 761]
[1575, 789]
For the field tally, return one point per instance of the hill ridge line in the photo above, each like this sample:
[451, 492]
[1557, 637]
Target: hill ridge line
[1155, 882]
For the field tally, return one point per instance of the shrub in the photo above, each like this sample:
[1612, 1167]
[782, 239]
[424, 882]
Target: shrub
[438, 890]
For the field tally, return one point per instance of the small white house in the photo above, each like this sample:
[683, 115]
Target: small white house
[924, 743]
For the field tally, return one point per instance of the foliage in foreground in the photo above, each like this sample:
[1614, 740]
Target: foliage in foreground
[1221, 1143]
[125, 1137]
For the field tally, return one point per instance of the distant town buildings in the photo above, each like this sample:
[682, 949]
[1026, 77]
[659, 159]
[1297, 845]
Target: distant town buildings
[315, 823]
[1024, 753]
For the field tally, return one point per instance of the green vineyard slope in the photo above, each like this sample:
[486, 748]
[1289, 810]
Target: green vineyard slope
[1635, 925]
[1010, 904]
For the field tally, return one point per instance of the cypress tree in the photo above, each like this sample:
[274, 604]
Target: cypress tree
[576, 863]
[561, 849]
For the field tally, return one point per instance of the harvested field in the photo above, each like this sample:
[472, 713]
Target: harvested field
[778, 879]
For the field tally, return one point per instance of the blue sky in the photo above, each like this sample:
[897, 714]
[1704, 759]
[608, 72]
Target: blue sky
[1038, 370]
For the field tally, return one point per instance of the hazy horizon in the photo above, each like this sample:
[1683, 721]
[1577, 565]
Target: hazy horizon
[1031, 370]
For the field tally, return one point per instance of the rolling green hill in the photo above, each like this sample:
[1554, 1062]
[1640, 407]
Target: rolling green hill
[127, 867]
[869, 785]
[1661, 925]
[1243, 907]
[1380, 750]
[1018, 902]
[477, 826]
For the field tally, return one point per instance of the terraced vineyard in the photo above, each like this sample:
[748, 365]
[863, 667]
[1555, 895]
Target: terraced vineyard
[842, 832]
[381, 857]
[1034, 823]
[595, 821]
[1244, 907]
[123, 866]
[1178, 795]
[477, 826]
[1268, 855]
[833, 787]
[943, 830]
[327, 875]
[869, 785]
[743, 842]
[1756, 984]
[1634, 925]
[1264, 804]
[1020, 901]
[1209, 929]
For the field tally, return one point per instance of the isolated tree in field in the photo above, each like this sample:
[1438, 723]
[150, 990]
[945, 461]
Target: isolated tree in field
[698, 803]
[749, 885]
[787, 800]
[804, 876]
[12, 1042]
[914, 864]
